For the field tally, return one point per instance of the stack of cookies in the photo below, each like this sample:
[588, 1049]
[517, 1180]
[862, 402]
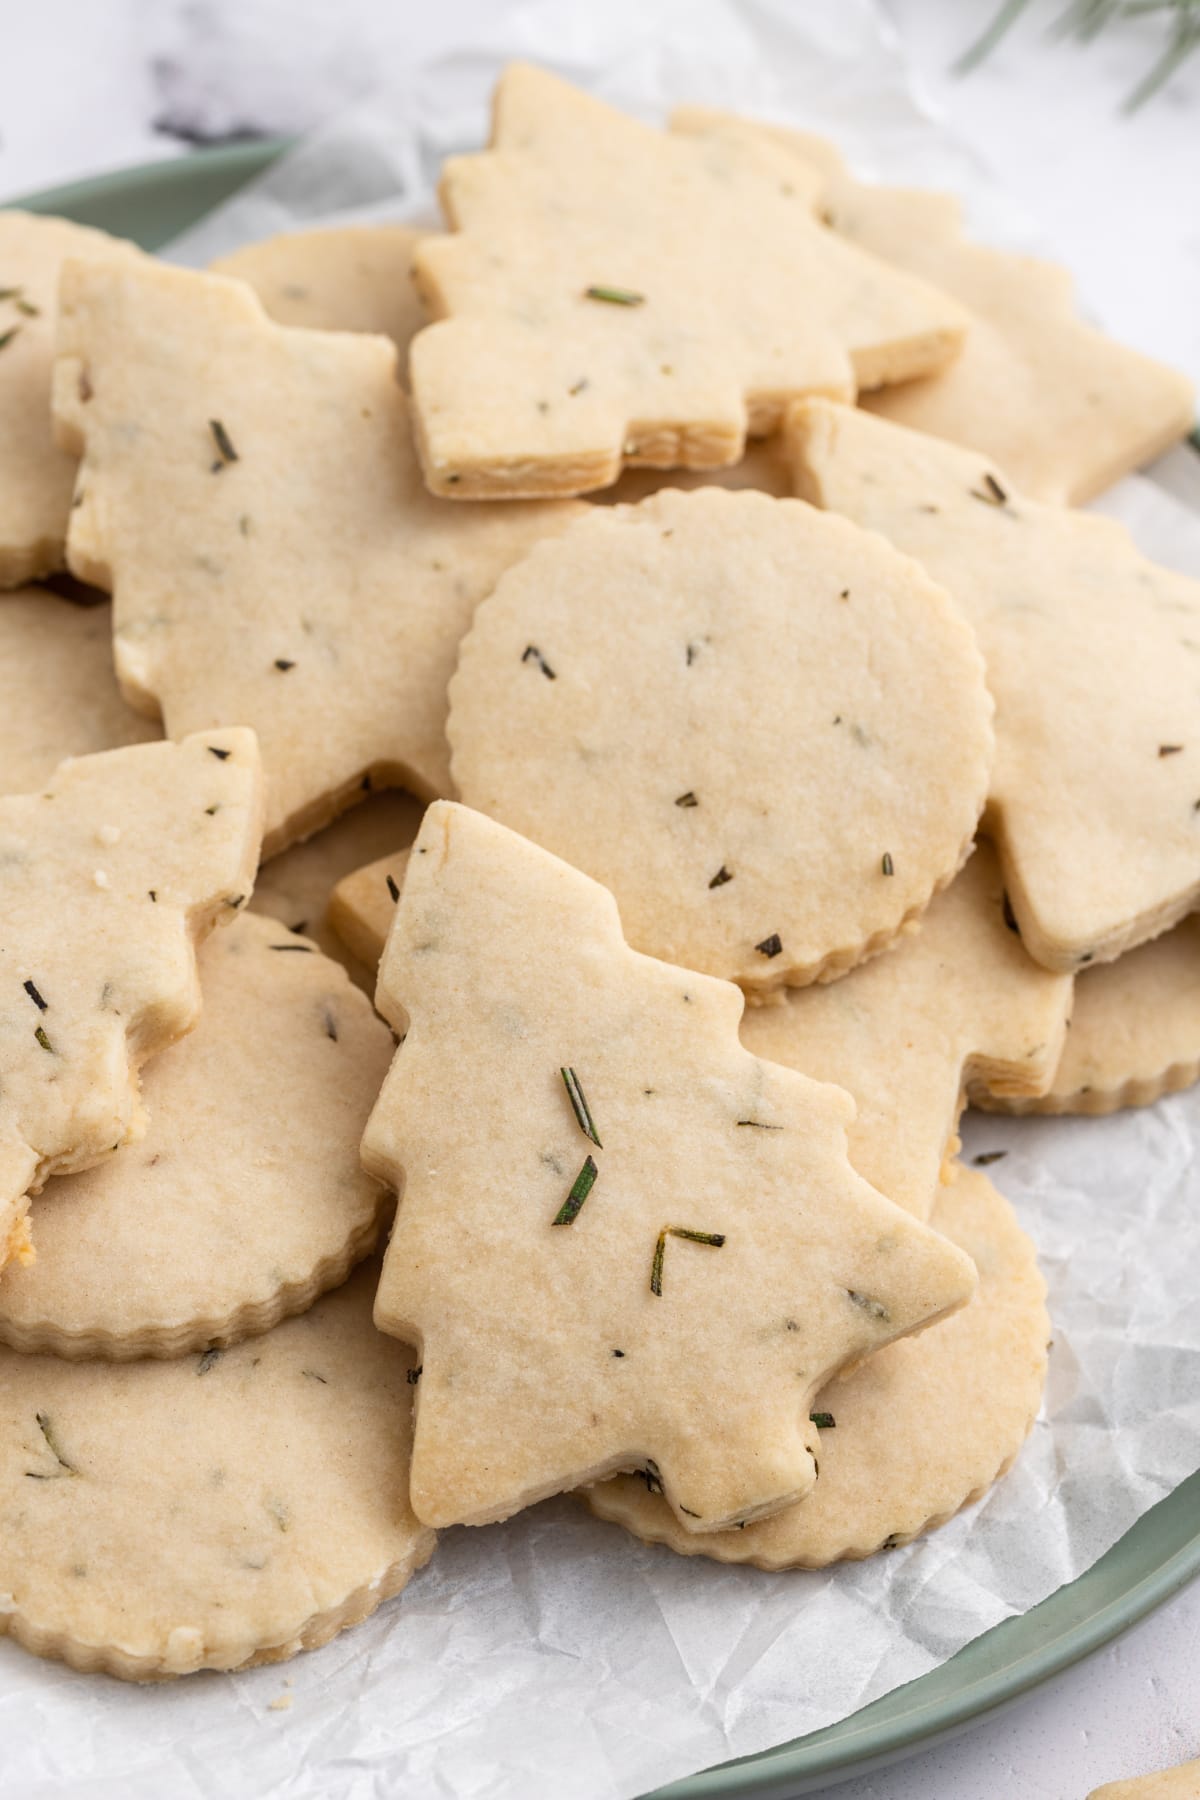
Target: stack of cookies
[637, 892]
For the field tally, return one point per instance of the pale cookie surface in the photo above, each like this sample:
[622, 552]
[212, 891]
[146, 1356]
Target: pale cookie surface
[765, 732]
[246, 1198]
[297, 887]
[914, 1434]
[336, 278]
[956, 1001]
[1065, 410]
[363, 904]
[1135, 1032]
[58, 693]
[614, 294]
[36, 477]
[109, 878]
[252, 499]
[683, 1309]
[1092, 655]
[1182, 1783]
[209, 1513]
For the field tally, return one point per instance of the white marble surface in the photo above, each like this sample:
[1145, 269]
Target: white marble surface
[92, 84]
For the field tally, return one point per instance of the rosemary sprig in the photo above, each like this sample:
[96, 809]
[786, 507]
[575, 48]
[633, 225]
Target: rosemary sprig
[713, 1239]
[616, 296]
[579, 1103]
[1083, 19]
[581, 1187]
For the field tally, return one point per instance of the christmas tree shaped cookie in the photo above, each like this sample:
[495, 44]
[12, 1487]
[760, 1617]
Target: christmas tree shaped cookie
[958, 1002]
[37, 477]
[914, 1434]
[623, 1242]
[251, 496]
[614, 294]
[109, 877]
[1065, 410]
[1093, 659]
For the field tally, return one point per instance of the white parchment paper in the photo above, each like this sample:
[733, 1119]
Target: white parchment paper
[555, 1656]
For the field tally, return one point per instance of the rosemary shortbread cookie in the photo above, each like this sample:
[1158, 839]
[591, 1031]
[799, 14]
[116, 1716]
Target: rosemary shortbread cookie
[251, 496]
[910, 1437]
[1065, 410]
[766, 732]
[363, 904]
[617, 295]
[1091, 654]
[336, 278]
[623, 1240]
[58, 694]
[36, 477]
[246, 1198]
[298, 887]
[1181, 1783]
[109, 878]
[213, 1512]
[1135, 1032]
[957, 1001]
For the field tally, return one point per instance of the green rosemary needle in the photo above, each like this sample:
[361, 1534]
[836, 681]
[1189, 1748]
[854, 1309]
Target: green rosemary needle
[616, 296]
[581, 1187]
[579, 1103]
[714, 1240]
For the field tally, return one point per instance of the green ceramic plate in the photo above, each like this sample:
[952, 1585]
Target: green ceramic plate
[151, 205]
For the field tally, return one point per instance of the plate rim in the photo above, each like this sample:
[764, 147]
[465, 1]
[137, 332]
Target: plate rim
[214, 173]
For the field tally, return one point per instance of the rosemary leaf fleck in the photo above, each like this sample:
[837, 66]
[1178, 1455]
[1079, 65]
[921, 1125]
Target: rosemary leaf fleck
[759, 1125]
[207, 1360]
[770, 946]
[392, 888]
[887, 865]
[581, 1187]
[823, 1421]
[47, 1431]
[35, 996]
[652, 1478]
[579, 1103]
[414, 1375]
[283, 664]
[714, 1240]
[28, 308]
[993, 494]
[616, 296]
[298, 949]
[875, 1308]
[721, 877]
[533, 654]
[1169, 749]
[688, 799]
[221, 755]
[43, 1040]
[224, 443]
[987, 1157]
[6, 337]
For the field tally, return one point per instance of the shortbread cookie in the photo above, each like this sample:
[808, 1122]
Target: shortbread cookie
[1091, 654]
[251, 497]
[109, 878]
[58, 694]
[618, 295]
[211, 1513]
[1065, 410]
[909, 1437]
[623, 1240]
[246, 1198]
[764, 466]
[36, 477]
[297, 888]
[363, 905]
[956, 1001]
[336, 278]
[767, 734]
[1182, 1783]
[1135, 1032]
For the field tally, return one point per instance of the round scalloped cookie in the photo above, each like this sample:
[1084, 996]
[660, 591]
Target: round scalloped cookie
[246, 1198]
[764, 730]
[163, 1517]
[912, 1435]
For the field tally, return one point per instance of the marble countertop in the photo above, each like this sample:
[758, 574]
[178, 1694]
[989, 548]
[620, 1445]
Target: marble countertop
[87, 86]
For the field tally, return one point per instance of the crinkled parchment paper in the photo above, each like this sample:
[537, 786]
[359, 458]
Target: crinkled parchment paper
[555, 1655]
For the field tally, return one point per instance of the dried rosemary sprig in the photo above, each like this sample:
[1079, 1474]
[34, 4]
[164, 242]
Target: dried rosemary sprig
[580, 1106]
